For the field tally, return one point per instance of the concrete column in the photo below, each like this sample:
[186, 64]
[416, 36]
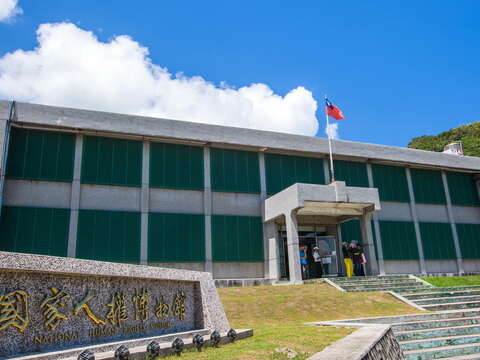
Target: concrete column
[326, 171]
[341, 265]
[367, 239]
[413, 211]
[293, 247]
[268, 251]
[4, 132]
[75, 197]
[376, 226]
[272, 256]
[207, 209]
[451, 219]
[145, 203]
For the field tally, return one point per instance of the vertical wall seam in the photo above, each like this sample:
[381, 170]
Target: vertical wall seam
[451, 219]
[75, 197]
[207, 209]
[263, 197]
[144, 203]
[376, 226]
[413, 211]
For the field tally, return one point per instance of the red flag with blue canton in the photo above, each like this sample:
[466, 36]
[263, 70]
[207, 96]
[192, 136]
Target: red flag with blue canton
[333, 111]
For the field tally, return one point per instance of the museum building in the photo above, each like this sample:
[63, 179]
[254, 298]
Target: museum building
[238, 203]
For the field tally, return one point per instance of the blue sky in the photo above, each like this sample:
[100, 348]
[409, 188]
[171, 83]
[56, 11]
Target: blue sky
[397, 69]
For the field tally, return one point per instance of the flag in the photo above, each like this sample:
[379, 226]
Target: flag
[333, 111]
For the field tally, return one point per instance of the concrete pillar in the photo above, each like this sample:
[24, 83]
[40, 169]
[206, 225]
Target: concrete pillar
[369, 248]
[75, 197]
[376, 227]
[413, 211]
[341, 266]
[293, 247]
[207, 209]
[451, 219]
[4, 132]
[267, 243]
[326, 171]
[272, 257]
[145, 203]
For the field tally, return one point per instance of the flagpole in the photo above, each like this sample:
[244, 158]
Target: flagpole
[332, 171]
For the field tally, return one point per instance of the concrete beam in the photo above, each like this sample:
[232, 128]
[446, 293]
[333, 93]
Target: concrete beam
[451, 219]
[75, 197]
[418, 234]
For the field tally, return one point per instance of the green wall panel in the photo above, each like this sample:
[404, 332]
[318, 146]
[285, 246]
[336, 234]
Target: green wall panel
[176, 237]
[391, 182]
[428, 186]
[462, 188]
[108, 236]
[237, 238]
[234, 170]
[176, 166]
[353, 173]
[284, 170]
[437, 241]
[35, 230]
[351, 231]
[41, 155]
[469, 238]
[399, 241]
[111, 161]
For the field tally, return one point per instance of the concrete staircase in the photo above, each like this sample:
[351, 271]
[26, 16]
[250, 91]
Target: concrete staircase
[397, 283]
[440, 299]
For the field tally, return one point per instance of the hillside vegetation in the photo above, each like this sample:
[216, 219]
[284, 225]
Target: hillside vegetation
[468, 134]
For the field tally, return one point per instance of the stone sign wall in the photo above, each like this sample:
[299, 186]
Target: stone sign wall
[46, 308]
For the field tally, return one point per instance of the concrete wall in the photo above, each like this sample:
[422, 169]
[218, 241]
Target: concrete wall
[402, 267]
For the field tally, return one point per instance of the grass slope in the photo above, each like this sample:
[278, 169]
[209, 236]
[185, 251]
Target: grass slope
[468, 134]
[278, 313]
[447, 281]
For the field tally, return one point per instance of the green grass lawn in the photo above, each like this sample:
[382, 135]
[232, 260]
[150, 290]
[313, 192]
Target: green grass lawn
[277, 315]
[446, 281]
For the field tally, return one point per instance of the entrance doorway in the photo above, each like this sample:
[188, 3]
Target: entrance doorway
[326, 247]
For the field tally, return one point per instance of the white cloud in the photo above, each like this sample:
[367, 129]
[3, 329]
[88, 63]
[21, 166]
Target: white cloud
[71, 67]
[332, 130]
[8, 9]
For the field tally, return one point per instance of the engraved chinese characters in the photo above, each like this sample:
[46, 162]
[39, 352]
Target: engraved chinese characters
[57, 306]
[14, 310]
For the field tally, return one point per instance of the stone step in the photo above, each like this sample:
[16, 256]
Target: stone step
[447, 300]
[443, 289]
[442, 352]
[436, 324]
[380, 283]
[381, 288]
[375, 281]
[464, 357]
[453, 306]
[362, 278]
[436, 294]
[436, 333]
[439, 342]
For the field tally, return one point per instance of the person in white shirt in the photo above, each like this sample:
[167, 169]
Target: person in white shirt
[317, 258]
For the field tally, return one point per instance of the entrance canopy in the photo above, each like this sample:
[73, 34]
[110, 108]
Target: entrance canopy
[335, 203]
[335, 200]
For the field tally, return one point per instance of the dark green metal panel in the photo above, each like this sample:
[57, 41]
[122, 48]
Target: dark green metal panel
[462, 188]
[351, 231]
[237, 238]
[111, 161]
[428, 186]
[399, 241]
[437, 241]
[353, 173]
[176, 166]
[284, 170]
[176, 237]
[41, 155]
[35, 230]
[469, 238]
[108, 236]
[391, 182]
[234, 171]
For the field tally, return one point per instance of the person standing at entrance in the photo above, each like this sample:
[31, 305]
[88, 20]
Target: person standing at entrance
[357, 259]
[304, 262]
[347, 259]
[317, 258]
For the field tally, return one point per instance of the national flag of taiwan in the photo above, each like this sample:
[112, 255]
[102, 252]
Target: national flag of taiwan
[333, 111]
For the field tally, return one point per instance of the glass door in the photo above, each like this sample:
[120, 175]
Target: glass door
[327, 249]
